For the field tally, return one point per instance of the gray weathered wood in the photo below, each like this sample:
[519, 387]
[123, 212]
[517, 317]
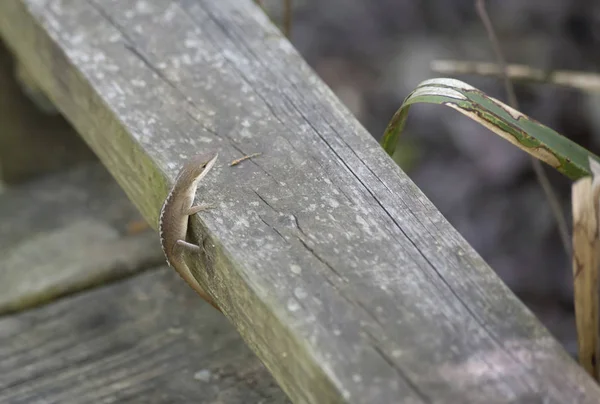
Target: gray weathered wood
[130, 342]
[333, 266]
[68, 232]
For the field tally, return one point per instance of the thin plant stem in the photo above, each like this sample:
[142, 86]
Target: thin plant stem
[542, 178]
[287, 18]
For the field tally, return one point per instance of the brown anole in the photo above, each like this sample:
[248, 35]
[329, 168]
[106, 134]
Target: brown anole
[175, 213]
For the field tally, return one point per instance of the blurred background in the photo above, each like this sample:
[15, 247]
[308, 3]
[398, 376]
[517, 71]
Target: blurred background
[373, 53]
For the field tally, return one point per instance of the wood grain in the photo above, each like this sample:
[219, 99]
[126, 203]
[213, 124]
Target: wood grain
[68, 232]
[145, 340]
[332, 265]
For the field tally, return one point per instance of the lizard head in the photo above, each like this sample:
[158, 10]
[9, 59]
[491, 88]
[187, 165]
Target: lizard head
[196, 167]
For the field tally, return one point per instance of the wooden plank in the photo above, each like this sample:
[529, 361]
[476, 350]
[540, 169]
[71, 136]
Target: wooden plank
[31, 141]
[130, 342]
[332, 265]
[68, 232]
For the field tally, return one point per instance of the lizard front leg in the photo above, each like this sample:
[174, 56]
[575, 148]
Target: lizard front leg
[199, 208]
[182, 245]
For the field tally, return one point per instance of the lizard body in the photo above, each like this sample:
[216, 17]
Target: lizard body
[174, 216]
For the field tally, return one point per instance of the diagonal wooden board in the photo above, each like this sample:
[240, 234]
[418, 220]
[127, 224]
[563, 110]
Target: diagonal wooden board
[66, 232]
[147, 339]
[331, 264]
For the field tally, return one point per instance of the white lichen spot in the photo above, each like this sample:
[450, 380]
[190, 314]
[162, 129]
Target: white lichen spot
[138, 83]
[203, 375]
[186, 59]
[77, 39]
[113, 38]
[396, 353]
[337, 332]
[333, 203]
[379, 309]
[79, 56]
[54, 24]
[364, 225]
[242, 222]
[191, 43]
[57, 8]
[138, 29]
[245, 133]
[312, 207]
[346, 394]
[110, 94]
[300, 293]
[245, 89]
[143, 7]
[356, 378]
[296, 269]
[170, 13]
[161, 65]
[292, 305]
[99, 57]
[176, 63]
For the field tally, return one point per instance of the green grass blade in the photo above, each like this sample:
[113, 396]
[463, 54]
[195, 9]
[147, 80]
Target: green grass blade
[524, 132]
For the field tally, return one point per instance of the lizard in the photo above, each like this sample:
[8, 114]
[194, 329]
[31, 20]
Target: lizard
[174, 215]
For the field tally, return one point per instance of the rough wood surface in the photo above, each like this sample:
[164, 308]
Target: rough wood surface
[333, 266]
[68, 232]
[145, 340]
[32, 142]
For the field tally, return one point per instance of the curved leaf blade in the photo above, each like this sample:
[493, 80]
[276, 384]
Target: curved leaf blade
[524, 132]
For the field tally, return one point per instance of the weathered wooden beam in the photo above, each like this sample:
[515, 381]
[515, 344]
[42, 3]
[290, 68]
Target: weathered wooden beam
[68, 232]
[334, 267]
[130, 342]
